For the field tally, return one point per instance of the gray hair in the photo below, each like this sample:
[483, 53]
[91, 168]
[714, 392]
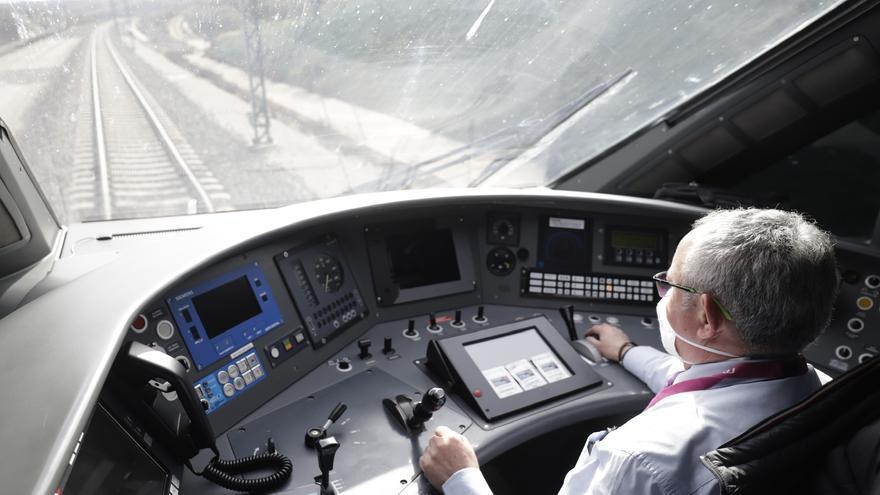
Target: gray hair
[773, 270]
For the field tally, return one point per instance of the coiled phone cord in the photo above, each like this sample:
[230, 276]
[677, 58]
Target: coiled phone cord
[223, 472]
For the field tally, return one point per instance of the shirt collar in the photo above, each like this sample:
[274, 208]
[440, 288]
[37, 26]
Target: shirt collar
[706, 369]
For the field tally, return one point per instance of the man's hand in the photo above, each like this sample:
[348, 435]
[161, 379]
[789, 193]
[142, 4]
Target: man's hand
[447, 453]
[607, 339]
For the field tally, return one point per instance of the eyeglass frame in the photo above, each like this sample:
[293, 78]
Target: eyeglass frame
[658, 280]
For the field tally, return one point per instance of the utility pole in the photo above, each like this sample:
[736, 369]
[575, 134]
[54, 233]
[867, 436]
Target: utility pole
[253, 41]
[115, 17]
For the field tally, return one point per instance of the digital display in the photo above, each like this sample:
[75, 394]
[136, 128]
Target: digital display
[224, 313]
[226, 306]
[517, 362]
[110, 461]
[627, 246]
[564, 245]
[621, 239]
[417, 259]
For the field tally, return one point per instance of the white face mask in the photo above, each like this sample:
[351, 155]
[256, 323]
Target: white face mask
[668, 335]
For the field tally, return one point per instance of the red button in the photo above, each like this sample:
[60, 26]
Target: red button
[478, 393]
[139, 323]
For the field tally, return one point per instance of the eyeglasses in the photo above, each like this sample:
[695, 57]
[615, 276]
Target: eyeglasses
[664, 285]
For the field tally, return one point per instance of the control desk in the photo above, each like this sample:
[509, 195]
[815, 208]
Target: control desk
[365, 313]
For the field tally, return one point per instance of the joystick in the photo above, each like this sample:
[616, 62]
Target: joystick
[412, 416]
[431, 402]
[326, 448]
[364, 346]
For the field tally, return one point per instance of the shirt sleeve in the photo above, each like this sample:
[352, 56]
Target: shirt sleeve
[610, 471]
[651, 366]
[467, 481]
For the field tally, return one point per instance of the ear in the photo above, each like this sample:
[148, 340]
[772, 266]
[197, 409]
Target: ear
[713, 319]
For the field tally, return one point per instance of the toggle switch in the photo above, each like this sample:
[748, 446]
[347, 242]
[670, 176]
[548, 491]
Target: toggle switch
[481, 315]
[411, 331]
[457, 323]
[433, 327]
[364, 346]
[388, 348]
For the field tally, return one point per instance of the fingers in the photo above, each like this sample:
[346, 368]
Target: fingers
[592, 340]
[443, 431]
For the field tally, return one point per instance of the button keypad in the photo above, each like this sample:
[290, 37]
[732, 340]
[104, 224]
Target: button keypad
[595, 287]
[230, 380]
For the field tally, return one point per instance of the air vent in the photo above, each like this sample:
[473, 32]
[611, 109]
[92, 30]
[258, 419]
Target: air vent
[768, 115]
[149, 233]
[668, 170]
[711, 148]
[840, 75]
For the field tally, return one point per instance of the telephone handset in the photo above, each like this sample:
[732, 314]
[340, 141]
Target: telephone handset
[139, 365]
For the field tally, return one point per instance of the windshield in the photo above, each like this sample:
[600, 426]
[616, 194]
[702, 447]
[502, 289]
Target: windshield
[136, 108]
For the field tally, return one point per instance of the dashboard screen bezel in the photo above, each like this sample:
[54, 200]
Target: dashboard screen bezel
[206, 350]
[388, 293]
[469, 378]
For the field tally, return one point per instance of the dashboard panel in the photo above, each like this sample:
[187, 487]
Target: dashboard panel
[348, 308]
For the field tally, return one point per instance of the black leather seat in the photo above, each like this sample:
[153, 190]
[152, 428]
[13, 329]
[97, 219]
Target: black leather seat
[827, 443]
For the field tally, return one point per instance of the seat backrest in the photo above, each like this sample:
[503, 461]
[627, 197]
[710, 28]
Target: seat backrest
[827, 443]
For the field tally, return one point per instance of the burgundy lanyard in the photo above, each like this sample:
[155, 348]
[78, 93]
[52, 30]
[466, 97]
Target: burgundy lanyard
[766, 370]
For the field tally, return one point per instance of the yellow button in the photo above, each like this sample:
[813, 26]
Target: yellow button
[865, 303]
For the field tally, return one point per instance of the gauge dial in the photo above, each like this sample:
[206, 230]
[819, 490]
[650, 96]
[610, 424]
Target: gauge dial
[503, 229]
[500, 261]
[329, 273]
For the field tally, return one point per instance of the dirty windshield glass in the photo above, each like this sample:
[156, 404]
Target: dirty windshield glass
[135, 108]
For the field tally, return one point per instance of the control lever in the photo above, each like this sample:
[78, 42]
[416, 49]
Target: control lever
[326, 448]
[567, 313]
[313, 435]
[582, 346]
[413, 416]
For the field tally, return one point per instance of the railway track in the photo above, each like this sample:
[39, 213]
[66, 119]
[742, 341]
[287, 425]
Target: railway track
[131, 160]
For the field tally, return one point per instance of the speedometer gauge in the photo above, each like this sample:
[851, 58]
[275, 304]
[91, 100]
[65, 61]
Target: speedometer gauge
[329, 273]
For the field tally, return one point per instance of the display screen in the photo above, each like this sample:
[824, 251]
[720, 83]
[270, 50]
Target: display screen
[110, 461]
[417, 259]
[517, 362]
[563, 245]
[621, 239]
[226, 306]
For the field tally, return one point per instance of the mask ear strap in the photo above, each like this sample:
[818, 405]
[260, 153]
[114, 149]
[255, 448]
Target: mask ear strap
[708, 349]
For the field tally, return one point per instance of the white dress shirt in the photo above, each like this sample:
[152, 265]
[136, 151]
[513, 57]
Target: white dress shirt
[658, 451]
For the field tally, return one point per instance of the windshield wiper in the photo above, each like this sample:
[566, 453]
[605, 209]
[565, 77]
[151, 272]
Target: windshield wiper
[508, 142]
